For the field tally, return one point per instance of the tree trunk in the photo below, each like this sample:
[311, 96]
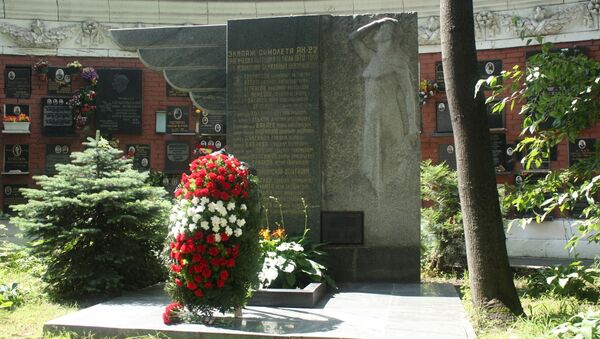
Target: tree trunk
[490, 276]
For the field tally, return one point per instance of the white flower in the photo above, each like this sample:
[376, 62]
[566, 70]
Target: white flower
[216, 221]
[223, 222]
[216, 228]
[182, 202]
[283, 247]
[237, 232]
[243, 207]
[195, 217]
[290, 267]
[297, 247]
[228, 231]
[217, 237]
[195, 200]
[212, 207]
[204, 201]
[200, 209]
[172, 218]
[204, 225]
[241, 222]
[230, 206]
[181, 215]
[232, 218]
[192, 227]
[220, 204]
[191, 211]
[178, 224]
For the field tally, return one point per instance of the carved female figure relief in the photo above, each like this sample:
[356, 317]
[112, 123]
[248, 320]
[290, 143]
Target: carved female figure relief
[390, 99]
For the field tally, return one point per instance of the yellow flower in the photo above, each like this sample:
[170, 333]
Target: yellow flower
[278, 233]
[265, 234]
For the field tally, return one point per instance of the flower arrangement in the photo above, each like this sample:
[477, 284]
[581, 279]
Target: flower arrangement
[16, 118]
[74, 67]
[171, 314]
[83, 104]
[427, 89]
[90, 75]
[290, 262]
[40, 67]
[213, 253]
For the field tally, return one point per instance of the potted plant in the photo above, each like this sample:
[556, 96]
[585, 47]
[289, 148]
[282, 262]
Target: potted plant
[16, 123]
[41, 69]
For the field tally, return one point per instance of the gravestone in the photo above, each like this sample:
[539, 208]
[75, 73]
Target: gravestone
[11, 195]
[16, 158]
[325, 108]
[57, 154]
[178, 119]
[59, 82]
[16, 110]
[17, 82]
[57, 117]
[177, 155]
[119, 101]
[140, 154]
[582, 148]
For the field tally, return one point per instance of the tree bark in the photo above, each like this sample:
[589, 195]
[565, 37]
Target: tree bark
[491, 278]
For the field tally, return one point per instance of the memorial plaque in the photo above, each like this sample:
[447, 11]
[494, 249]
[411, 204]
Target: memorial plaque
[498, 147]
[581, 149]
[172, 92]
[57, 116]
[170, 182]
[57, 154]
[177, 157]
[16, 158]
[273, 110]
[212, 123]
[510, 157]
[15, 110]
[439, 76]
[442, 117]
[140, 155]
[213, 142]
[488, 68]
[495, 119]
[178, 119]
[59, 82]
[342, 228]
[119, 101]
[446, 153]
[544, 165]
[17, 82]
[12, 196]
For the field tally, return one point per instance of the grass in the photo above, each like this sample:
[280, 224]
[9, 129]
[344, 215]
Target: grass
[27, 320]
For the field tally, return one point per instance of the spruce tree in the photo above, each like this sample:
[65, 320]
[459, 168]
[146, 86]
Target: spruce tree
[97, 224]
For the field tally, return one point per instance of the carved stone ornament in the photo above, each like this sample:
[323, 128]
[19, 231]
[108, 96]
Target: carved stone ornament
[37, 35]
[92, 33]
[487, 21]
[593, 7]
[544, 22]
[429, 33]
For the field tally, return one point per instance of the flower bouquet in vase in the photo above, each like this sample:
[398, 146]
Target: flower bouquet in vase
[16, 123]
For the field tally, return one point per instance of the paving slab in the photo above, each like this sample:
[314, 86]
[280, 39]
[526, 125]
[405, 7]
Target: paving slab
[358, 310]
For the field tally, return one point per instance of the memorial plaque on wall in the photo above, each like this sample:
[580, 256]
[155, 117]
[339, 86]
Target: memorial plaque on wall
[213, 142]
[488, 68]
[498, 146]
[17, 82]
[275, 123]
[57, 154]
[172, 92]
[446, 153]
[177, 156]
[439, 76]
[212, 123]
[16, 158]
[443, 124]
[582, 148]
[119, 101]
[59, 82]
[15, 110]
[57, 116]
[11, 195]
[178, 119]
[140, 155]
[510, 157]
[170, 182]
[495, 119]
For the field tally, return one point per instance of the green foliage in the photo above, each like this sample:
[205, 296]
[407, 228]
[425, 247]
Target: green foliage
[291, 262]
[581, 326]
[10, 296]
[442, 226]
[574, 280]
[96, 223]
[559, 92]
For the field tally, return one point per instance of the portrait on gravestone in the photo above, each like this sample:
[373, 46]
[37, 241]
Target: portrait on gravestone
[389, 99]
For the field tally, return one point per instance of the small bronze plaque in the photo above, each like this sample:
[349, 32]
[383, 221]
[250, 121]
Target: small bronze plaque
[342, 228]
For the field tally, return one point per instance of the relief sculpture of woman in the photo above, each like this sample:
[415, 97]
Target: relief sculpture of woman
[390, 99]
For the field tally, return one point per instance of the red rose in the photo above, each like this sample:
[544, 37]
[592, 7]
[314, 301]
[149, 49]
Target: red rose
[202, 172]
[166, 318]
[220, 178]
[206, 273]
[224, 275]
[199, 293]
[191, 285]
[224, 196]
[178, 282]
[197, 278]
[230, 263]
[212, 176]
[213, 251]
[222, 170]
[224, 236]
[231, 178]
[175, 268]
[220, 283]
[208, 284]
[210, 239]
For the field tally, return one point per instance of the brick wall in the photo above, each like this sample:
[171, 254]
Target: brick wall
[509, 56]
[155, 98]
